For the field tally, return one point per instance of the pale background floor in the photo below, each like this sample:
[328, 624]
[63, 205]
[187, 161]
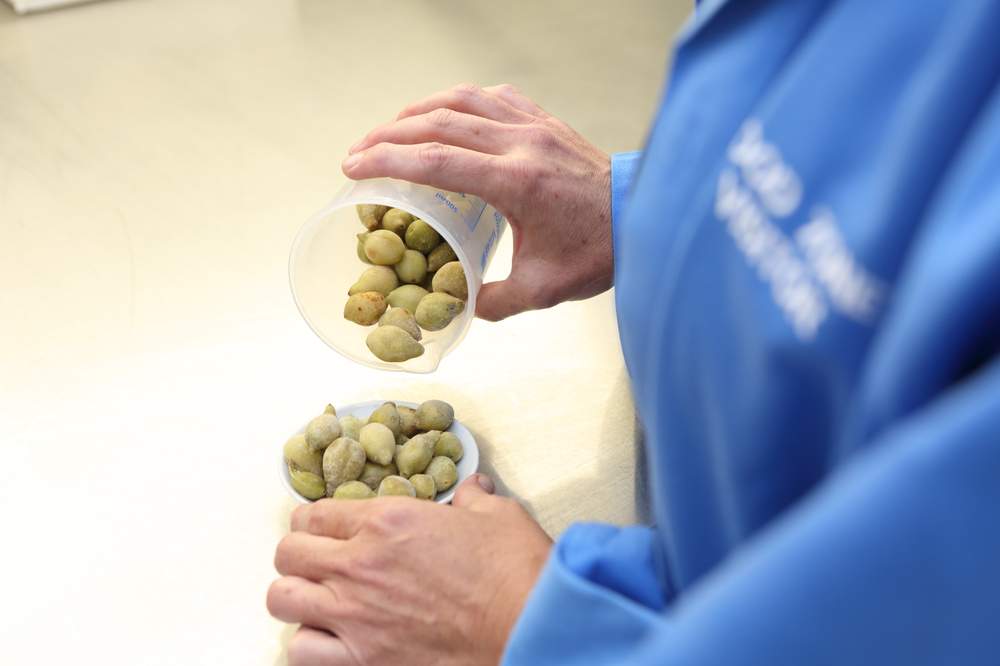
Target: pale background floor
[156, 159]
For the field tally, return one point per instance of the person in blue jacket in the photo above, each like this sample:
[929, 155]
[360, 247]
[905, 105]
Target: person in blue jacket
[806, 258]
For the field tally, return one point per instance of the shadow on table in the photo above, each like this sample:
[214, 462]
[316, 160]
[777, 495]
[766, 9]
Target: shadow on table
[580, 492]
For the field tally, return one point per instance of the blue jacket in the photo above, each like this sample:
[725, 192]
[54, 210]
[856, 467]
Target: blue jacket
[807, 261]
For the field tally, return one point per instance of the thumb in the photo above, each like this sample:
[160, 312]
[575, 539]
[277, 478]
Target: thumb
[473, 490]
[499, 300]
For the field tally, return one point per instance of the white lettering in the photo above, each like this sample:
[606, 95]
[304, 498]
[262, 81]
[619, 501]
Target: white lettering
[806, 276]
[854, 291]
[764, 170]
[771, 255]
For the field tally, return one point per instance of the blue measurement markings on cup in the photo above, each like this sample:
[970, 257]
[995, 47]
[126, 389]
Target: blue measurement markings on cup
[461, 208]
[492, 239]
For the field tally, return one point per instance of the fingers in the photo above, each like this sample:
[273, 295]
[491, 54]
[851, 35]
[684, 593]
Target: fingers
[435, 164]
[472, 99]
[309, 556]
[473, 490]
[516, 98]
[312, 647]
[299, 601]
[331, 518]
[498, 300]
[518, 293]
[443, 126]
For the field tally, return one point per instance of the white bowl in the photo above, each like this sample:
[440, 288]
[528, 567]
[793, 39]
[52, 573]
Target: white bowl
[362, 410]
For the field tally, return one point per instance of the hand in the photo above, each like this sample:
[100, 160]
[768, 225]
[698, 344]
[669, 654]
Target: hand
[401, 581]
[552, 185]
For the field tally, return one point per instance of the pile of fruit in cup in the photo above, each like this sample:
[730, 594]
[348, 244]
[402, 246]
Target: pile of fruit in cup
[397, 451]
[415, 282]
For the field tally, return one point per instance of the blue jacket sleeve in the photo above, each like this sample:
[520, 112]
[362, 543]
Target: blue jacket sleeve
[861, 572]
[623, 169]
[893, 561]
[598, 596]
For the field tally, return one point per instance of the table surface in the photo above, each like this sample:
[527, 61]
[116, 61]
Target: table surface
[156, 159]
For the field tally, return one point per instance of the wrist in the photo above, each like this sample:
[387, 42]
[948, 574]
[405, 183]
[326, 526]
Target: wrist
[512, 596]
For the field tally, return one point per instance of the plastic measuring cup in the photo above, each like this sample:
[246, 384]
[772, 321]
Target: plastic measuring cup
[323, 263]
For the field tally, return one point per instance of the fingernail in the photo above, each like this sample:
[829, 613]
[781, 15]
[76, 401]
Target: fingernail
[353, 149]
[352, 162]
[486, 483]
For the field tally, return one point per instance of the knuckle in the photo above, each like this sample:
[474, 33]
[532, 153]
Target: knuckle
[466, 89]
[441, 117]
[375, 156]
[523, 174]
[540, 135]
[282, 555]
[396, 516]
[547, 299]
[298, 650]
[314, 606]
[507, 505]
[299, 516]
[277, 594]
[433, 155]
[539, 296]
[517, 171]
[372, 561]
[316, 519]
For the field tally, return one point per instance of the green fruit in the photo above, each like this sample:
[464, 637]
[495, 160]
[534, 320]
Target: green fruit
[444, 473]
[350, 427]
[330, 409]
[415, 455]
[371, 215]
[412, 267]
[299, 455]
[321, 431]
[396, 221]
[353, 490]
[435, 415]
[440, 256]
[435, 311]
[450, 446]
[387, 415]
[361, 248]
[396, 485]
[450, 279]
[365, 308]
[377, 278]
[342, 462]
[373, 474]
[393, 345]
[401, 318]
[309, 485]
[424, 486]
[407, 421]
[421, 236]
[407, 296]
[378, 443]
[384, 248]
